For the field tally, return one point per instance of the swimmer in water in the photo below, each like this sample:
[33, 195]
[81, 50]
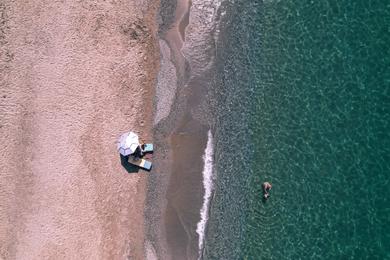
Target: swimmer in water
[266, 188]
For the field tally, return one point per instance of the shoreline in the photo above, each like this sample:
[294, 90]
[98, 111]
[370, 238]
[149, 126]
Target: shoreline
[67, 96]
[169, 84]
[164, 231]
[181, 131]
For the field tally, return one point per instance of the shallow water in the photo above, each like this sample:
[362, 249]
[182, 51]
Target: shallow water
[301, 98]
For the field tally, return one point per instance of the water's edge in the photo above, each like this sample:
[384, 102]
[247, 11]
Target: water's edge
[170, 230]
[208, 186]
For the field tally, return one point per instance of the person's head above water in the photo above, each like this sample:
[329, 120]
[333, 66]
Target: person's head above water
[267, 186]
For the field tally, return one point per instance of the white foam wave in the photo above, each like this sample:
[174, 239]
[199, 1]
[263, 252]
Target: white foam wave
[208, 185]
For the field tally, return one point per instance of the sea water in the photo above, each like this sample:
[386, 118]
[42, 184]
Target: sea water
[301, 99]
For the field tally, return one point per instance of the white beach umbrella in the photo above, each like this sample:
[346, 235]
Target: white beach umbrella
[128, 143]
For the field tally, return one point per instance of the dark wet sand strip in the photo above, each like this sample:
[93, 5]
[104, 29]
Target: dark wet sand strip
[185, 191]
[185, 142]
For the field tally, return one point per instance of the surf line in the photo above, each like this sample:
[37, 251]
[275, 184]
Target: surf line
[208, 185]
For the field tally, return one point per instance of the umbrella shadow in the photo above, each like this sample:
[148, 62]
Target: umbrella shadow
[128, 166]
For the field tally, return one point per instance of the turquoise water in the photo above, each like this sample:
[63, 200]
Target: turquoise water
[303, 98]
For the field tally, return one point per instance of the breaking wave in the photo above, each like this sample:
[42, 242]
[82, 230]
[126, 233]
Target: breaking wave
[208, 188]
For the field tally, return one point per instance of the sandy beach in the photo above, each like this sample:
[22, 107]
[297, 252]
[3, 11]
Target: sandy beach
[74, 76]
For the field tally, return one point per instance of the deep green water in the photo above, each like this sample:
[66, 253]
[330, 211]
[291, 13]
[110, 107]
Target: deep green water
[303, 101]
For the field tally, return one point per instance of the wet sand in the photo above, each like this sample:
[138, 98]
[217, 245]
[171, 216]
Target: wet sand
[185, 191]
[174, 208]
[74, 76]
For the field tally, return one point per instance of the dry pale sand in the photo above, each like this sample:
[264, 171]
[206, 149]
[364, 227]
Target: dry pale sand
[74, 75]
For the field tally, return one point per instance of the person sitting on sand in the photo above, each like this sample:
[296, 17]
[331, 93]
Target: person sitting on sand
[139, 153]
